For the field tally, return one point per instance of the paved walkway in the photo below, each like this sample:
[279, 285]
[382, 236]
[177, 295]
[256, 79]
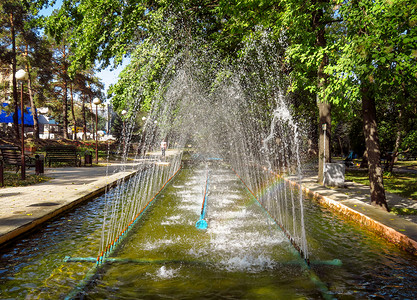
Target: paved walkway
[23, 208]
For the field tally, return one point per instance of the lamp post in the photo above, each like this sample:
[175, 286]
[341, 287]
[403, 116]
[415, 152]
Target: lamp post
[96, 102]
[124, 112]
[142, 149]
[22, 75]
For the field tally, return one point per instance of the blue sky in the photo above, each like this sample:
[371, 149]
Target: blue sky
[107, 76]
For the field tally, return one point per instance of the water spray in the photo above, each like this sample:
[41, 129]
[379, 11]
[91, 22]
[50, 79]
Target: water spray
[313, 277]
[290, 238]
[103, 257]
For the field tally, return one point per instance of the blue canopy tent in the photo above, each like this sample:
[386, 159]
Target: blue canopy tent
[6, 117]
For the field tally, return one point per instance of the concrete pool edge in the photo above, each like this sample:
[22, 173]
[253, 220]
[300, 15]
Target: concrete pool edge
[32, 224]
[371, 218]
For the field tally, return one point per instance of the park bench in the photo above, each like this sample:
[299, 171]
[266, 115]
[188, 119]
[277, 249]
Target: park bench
[62, 154]
[12, 156]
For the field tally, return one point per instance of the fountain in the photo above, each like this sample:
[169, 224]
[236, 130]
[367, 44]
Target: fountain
[232, 141]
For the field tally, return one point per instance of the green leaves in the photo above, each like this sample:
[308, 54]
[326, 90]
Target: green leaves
[105, 30]
[363, 41]
[140, 80]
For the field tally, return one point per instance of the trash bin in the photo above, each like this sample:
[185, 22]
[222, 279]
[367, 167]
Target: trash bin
[88, 158]
[39, 164]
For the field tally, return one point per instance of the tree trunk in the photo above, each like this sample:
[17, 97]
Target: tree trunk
[342, 154]
[324, 107]
[73, 113]
[364, 162]
[92, 118]
[372, 147]
[84, 120]
[14, 83]
[32, 103]
[65, 96]
[398, 139]
[324, 140]
[33, 107]
[399, 131]
[65, 108]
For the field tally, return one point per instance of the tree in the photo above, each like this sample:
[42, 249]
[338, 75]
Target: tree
[37, 59]
[61, 81]
[339, 52]
[374, 52]
[90, 87]
[309, 26]
[12, 22]
[21, 44]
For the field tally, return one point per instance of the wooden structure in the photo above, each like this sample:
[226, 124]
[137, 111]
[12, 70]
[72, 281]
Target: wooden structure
[62, 154]
[12, 156]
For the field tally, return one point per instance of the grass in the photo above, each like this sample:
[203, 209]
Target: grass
[13, 179]
[408, 164]
[403, 184]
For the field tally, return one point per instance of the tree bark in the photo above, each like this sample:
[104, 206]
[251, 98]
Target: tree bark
[84, 119]
[325, 136]
[33, 107]
[73, 114]
[339, 139]
[364, 162]
[65, 96]
[92, 118]
[65, 109]
[378, 198]
[399, 136]
[32, 103]
[14, 82]
[394, 157]
[323, 106]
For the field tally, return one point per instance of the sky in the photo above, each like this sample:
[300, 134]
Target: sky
[108, 76]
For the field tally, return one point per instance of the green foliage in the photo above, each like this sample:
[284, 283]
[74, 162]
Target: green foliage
[140, 79]
[376, 48]
[410, 141]
[106, 30]
[366, 42]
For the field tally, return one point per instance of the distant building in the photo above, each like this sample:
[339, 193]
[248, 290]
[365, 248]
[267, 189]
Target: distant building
[48, 128]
